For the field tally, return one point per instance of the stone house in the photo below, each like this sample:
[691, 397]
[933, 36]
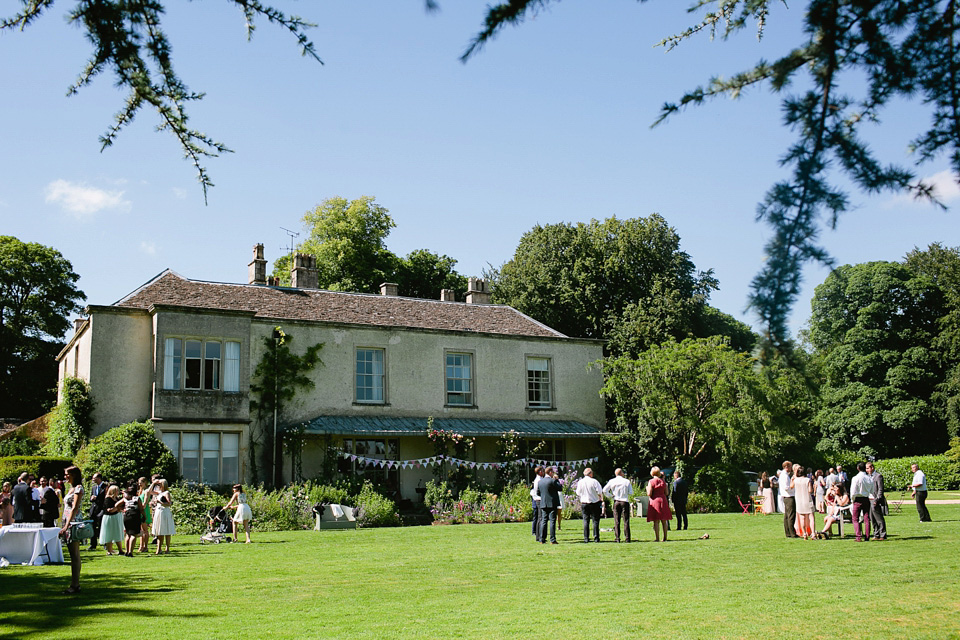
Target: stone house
[181, 353]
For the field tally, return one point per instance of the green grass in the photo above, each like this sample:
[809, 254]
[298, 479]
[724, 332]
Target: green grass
[493, 581]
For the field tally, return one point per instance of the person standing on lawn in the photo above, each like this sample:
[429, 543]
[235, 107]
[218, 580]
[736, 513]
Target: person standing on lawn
[785, 482]
[535, 497]
[878, 504]
[680, 494]
[919, 486]
[549, 490]
[98, 493]
[860, 488]
[20, 498]
[591, 502]
[620, 489]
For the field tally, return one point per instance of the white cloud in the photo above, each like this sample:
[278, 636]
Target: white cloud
[945, 188]
[83, 201]
[148, 248]
[180, 194]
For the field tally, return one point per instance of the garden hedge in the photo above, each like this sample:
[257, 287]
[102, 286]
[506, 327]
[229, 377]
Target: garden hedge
[938, 469]
[12, 466]
[126, 453]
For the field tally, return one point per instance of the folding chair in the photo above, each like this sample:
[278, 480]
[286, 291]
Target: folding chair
[745, 506]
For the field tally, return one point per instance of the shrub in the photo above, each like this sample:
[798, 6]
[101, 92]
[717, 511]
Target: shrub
[436, 493]
[18, 445]
[940, 472]
[725, 481]
[71, 420]
[190, 505]
[12, 466]
[517, 497]
[128, 452]
[375, 510]
[705, 503]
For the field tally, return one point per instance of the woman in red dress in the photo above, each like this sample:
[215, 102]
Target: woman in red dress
[659, 511]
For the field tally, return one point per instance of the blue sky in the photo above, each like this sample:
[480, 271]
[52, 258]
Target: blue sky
[549, 123]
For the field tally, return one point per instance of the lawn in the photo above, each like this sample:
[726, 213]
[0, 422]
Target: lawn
[493, 581]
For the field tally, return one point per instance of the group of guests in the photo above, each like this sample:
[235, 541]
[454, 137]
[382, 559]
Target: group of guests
[130, 514]
[31, 501]
[547, 493]
[805, 492]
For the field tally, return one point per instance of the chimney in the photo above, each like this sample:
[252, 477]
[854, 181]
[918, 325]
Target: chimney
[304, 273]
[477, 292]
[77, 323]
[389, 289]
[446, 295]
[257, 269]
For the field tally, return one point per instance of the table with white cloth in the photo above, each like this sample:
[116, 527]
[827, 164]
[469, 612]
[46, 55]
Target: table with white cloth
[31, 545]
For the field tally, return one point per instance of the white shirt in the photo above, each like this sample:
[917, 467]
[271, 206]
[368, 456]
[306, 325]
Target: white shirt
[861, 486]
[832, 479]
[619, 488]
[783, 482]
[589, 490]
[533, 492]
[919, 481]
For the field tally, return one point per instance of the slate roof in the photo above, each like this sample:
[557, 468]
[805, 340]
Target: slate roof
[400, 426]
[287, 303]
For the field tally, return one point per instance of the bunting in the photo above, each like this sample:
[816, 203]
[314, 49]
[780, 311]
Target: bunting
[417, 463]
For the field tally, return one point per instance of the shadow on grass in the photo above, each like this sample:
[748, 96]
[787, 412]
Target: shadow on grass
[34, 603]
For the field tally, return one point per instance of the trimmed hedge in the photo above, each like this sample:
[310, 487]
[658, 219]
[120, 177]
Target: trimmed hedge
[939, 471]
[12, 466]
[126, 453]
[19, 445]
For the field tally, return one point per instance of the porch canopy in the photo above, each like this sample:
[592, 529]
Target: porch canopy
[399, 426]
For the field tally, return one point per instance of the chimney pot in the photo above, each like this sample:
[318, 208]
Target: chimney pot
[447, 295]
[477, 291]
[304, 273]
[257, 269]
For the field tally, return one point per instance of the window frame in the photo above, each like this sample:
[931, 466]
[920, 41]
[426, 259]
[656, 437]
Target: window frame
[382, 376]
[203, 438]
[216, 382]
[529, 384]
[472, 379]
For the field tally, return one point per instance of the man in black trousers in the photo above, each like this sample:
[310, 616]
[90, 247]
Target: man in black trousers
[22, 498]
[680, 493]
[878, 504]
[535, 497]
[98, 491]
[784, 479]
[549, 490]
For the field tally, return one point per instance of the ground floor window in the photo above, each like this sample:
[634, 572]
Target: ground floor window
[209, 457]
[385, 478]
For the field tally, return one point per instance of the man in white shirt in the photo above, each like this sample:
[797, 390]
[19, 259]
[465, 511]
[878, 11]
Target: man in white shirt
[919, 485]
[535, 495]
[620, 489]
[589, 491]
[860, 489]
[789, 500]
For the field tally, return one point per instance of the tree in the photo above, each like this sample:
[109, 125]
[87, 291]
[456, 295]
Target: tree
[858, 57]
[71, 420]
[696, 401]
[128, 452]
[37, 294]
[128, 38]
[422, 274]
[580, 278]
[873, 327]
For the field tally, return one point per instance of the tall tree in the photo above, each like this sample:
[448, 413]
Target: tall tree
[873, 327]
[579, 278]
[697, 401]
[37, 294]
[422, 274]
[857, 58]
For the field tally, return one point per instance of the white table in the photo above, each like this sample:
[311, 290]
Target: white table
[31, 546]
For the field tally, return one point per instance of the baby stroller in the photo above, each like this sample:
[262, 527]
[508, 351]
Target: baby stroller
[218, 526]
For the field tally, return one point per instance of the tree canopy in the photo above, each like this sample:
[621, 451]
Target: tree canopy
[874, 327]
[37, 294]
[855, 59]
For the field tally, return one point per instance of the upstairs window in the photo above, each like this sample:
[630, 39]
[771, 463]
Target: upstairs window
[459, 374]
[539, 393]
[370, 376]
[196, 365]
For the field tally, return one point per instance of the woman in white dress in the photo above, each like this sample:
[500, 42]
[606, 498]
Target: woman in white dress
[243, 515]
[802, 487]
[163, 526]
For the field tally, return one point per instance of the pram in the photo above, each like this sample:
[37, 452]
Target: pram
[218, 525]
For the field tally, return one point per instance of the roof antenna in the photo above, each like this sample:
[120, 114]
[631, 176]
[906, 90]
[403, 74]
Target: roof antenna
[292, 234]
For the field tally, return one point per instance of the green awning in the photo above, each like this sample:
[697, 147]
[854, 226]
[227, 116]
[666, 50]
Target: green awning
[397, 426]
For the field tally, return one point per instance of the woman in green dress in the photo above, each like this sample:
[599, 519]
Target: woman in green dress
[145, 495]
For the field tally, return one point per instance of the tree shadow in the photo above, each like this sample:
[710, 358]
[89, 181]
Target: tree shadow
[33, 603]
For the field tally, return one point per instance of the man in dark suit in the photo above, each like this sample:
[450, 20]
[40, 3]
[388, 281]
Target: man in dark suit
[680, 494]
[22, 498]
[49, 505]
[878, 504]
[549, 490]
[98, 492]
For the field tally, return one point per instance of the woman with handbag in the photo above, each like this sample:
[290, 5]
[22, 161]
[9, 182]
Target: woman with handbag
[73, 504]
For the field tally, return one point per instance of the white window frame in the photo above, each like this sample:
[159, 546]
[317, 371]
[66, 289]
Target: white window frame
[371, 374]
[471, 393]
[539, 382]
[224, 368]
[226, 442]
